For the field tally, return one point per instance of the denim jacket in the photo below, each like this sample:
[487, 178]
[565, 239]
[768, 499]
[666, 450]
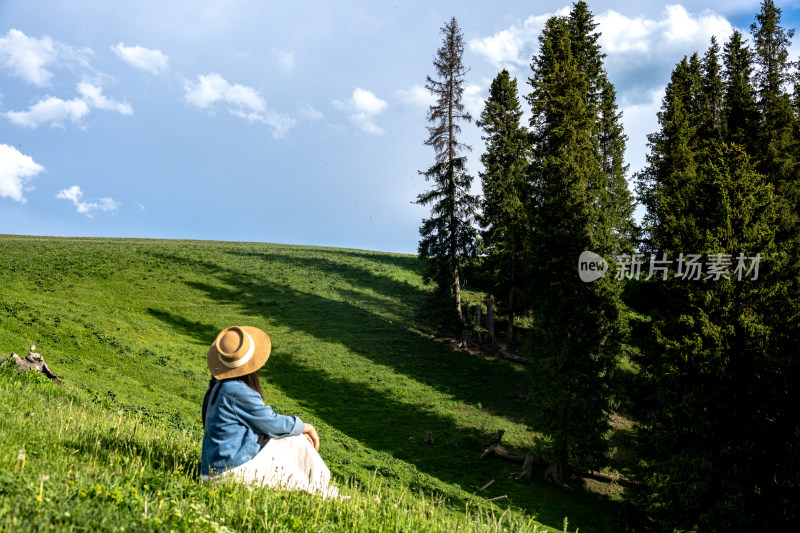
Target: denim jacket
[235, 417]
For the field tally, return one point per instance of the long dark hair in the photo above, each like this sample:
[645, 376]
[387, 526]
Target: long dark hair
[251, 380]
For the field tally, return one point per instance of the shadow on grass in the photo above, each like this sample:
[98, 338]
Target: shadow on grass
[499, 386]
[405, 293]
[200, 332]
[467, 378]
[375, 416]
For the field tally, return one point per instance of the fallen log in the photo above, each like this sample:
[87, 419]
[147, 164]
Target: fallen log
[609, 478]
[513, 357]
[528, 461]
[552, 473]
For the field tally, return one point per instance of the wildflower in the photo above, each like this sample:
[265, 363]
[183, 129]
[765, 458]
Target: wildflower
[21, 455]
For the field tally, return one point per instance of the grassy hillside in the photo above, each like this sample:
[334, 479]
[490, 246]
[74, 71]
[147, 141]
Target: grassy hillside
[127, 323]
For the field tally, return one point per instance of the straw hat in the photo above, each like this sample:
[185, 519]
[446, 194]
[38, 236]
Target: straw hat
[238, 350]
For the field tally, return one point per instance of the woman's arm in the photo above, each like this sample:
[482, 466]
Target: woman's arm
[250, 409]
[310, 432]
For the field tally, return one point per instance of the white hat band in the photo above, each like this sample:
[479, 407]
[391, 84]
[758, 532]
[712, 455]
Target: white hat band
[243, 360]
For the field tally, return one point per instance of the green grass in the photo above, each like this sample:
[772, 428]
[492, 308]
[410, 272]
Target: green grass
[126, 324]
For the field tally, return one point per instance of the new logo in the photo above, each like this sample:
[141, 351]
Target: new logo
[591, 266]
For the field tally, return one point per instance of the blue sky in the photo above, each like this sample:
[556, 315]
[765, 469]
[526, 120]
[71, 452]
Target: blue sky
[291, 122]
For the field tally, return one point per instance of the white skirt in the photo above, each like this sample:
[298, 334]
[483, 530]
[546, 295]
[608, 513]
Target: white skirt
[290, 463]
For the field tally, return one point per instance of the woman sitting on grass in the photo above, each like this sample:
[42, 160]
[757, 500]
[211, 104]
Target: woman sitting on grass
[244, 439]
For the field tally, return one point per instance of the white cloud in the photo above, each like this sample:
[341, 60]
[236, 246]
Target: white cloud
[364, 107]
[473, 101]
[51, 109]
[152, 61]
[74, 195]
[622, 34]
[515, 46]
[640, 119]
[214, 88]
[677, 30]
[309, 112]
[28, 57]
[417, 96]
[56, 111]
[366, 102]
[242, 101]
[16, 170]
[284, 59]
[95, 98]
[641, 52]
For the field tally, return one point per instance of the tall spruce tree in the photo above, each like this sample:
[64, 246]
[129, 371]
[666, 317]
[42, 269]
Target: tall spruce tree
[716, 427]
[611, 143]
[448, 234]
[740, 113]
[665, 184]
[712, 119]
[777, 150]
[611, 188]
[709, 430]
[505, 190]
[577, 325]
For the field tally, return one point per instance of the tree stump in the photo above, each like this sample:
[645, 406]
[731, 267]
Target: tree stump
[477, 311]
[490, 319]
[32, 361]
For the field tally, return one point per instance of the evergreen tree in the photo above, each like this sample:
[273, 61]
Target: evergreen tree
[712, 119]
[448, 234]
[505, 189]
[611, 144]
[777, 149]
[665, 185]
[740, 113]
[713, 435]
[611, 187]
[577, 325]
[719, 375]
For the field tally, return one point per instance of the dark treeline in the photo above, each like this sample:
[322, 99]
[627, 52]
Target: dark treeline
[713, 397]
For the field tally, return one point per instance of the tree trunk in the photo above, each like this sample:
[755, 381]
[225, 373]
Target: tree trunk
[555, 474]
[476, 315]
[457, 285]
[490, 319]
[451, 155]
[557, 470]
[510, 332]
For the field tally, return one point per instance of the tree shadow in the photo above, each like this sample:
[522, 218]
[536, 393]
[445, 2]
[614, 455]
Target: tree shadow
[468, 378]
[370, 415]
[373, 415]
[498, 385]
[200, 332]
[356, 275]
